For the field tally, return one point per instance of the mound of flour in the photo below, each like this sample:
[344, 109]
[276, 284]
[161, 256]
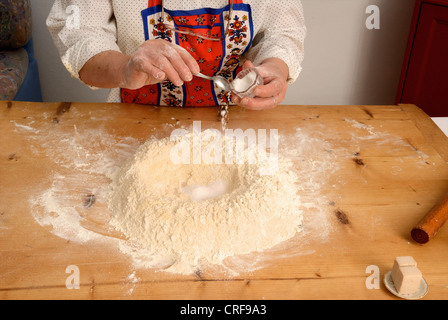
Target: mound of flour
[184, 216]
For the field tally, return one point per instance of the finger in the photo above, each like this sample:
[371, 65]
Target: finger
[235, 99]
[268, 72]
[172, 54]
[179, 61]
[141, 72]
[182, 61]
[165, 65]
[189, 61]
[155, 75]
[271, 89]
[248, 64]
[260, 103]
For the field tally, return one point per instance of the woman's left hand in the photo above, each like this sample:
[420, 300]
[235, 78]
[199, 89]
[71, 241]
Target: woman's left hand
[275, 73]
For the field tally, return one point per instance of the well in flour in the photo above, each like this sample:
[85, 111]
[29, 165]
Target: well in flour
[212, 190]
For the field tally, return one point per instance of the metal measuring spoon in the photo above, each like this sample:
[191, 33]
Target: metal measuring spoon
[219, 81]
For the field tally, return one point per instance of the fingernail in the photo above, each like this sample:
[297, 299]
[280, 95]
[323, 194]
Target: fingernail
[189, 77]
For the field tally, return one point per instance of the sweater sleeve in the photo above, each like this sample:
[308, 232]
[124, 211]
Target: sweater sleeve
[282, 35]
[82, 29]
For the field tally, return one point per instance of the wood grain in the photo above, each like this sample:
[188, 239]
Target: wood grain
[381, 190]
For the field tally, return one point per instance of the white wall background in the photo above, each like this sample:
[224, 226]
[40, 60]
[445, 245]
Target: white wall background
[345, 63]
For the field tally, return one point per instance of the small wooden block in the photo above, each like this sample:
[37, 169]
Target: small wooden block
[406, 276]
[406, 261]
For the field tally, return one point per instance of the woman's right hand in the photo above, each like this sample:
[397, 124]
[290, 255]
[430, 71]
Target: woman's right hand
[156, 61]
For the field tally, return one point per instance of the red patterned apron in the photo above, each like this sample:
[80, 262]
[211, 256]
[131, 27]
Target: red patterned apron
[214, 57]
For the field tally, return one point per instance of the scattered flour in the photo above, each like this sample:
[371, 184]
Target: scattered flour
[64, 220]
[80, 170]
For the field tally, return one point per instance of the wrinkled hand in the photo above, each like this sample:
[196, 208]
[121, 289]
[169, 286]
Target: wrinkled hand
[156, 61]
[275, 73]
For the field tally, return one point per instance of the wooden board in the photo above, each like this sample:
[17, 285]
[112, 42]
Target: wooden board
[390, 168]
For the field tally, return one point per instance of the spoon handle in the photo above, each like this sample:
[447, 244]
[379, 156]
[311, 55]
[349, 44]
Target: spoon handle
[200, 75]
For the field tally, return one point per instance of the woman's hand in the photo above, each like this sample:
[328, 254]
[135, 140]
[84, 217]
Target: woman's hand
[153, 62]
[275, 73]
[156, 61]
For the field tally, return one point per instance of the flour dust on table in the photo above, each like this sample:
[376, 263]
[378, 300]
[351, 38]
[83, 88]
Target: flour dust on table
[124, 193]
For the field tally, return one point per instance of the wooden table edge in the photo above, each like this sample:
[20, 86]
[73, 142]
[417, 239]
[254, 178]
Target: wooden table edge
[428, 128]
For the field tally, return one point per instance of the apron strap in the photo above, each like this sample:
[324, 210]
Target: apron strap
[153, 3]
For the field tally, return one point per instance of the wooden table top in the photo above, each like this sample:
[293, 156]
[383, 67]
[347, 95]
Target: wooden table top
[388, 168]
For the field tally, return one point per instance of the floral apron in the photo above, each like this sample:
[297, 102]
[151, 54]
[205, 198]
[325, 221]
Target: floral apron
[214, 57]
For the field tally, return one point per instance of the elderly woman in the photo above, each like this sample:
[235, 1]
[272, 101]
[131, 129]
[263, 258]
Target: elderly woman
[149, 53]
